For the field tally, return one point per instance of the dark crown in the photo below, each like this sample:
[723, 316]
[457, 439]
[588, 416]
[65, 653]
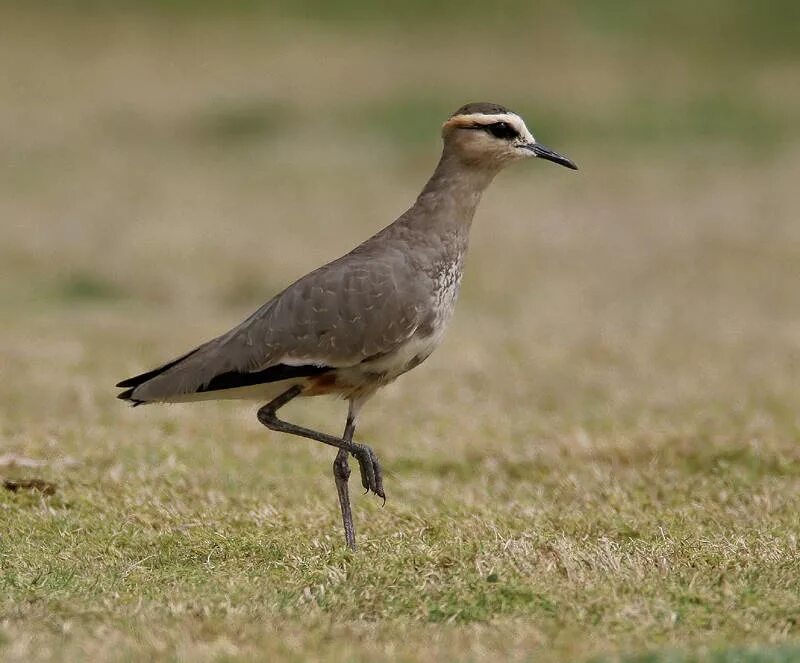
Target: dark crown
[482, 108]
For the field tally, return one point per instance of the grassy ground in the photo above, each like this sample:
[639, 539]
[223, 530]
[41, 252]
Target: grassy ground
[602, 461]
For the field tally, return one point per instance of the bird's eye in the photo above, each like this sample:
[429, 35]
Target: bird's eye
[502, 130]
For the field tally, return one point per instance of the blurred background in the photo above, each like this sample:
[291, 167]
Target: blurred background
[619, 384]
[167, 165]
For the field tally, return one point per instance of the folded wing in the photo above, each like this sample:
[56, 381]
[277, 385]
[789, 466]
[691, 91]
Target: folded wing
[337, 316]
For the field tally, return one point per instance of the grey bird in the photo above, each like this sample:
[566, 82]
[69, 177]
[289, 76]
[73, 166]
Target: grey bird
[358, 322]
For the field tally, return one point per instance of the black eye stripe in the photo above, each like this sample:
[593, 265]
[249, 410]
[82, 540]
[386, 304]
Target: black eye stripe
[498, 129]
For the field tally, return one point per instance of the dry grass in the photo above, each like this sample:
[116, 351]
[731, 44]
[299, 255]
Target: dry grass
[602, 459]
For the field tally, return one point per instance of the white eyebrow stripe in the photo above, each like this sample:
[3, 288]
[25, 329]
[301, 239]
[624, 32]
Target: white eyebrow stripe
[480, 118]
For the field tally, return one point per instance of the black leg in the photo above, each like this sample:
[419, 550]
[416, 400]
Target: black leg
[371, 474]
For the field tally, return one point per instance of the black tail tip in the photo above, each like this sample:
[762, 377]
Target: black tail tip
[127, 395]
[128, 382]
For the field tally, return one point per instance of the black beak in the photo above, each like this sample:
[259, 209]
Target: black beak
[546, 153]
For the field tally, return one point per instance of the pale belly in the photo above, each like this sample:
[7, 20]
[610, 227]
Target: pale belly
[370, 375]
[412, 353]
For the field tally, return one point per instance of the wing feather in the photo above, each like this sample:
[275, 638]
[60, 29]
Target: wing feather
[336, 316]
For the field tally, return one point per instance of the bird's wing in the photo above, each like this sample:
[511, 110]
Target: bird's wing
[345, 313]
[352, 309]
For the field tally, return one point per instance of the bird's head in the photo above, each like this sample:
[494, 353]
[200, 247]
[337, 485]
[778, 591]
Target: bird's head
[483, 133]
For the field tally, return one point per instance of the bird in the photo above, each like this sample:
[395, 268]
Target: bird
[357, 323]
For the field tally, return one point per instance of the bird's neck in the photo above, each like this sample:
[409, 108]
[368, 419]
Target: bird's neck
[451, 196]
[437, 225]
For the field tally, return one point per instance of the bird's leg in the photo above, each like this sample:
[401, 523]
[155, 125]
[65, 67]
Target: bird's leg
[371, 474]
[341, 474]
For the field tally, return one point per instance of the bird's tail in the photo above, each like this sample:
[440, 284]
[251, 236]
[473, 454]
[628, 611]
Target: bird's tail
[137, 381]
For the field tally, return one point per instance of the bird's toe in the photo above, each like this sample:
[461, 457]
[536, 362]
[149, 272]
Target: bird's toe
[371, 472]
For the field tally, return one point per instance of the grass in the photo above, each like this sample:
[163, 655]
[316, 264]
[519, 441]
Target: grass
[600, 464]
[732, 655]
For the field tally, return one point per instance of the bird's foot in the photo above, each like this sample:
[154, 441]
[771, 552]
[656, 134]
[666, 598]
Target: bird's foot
[371, 472]
[341, 470]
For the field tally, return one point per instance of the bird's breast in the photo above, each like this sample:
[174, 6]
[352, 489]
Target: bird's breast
[447, 281]
[430, 333]
[384, 368]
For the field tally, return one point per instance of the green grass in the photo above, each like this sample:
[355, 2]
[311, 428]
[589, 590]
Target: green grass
[600, 464]
[731, 655]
